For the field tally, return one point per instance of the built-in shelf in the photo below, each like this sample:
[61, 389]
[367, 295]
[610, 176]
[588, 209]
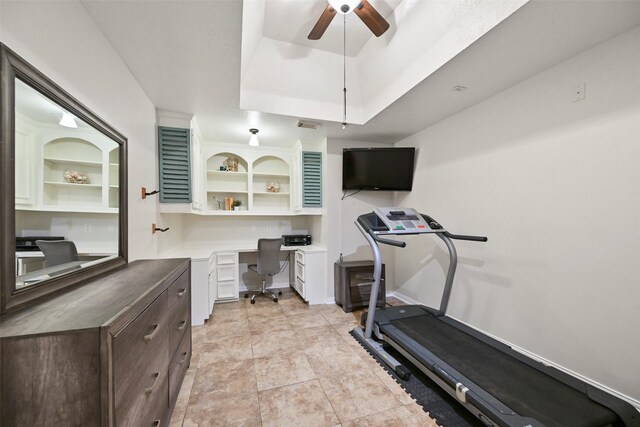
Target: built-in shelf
[68, 184]
[269, 193]
[227, 191]
[226, 173]
[72, 162]
[275, 175]
[80, 209]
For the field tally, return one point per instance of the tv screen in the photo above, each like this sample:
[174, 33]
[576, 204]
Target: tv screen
[388, 169]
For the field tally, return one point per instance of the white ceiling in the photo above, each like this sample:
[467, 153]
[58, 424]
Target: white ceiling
[186, 56]
[291, 21]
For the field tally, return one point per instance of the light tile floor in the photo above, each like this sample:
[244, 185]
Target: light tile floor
[287, 364]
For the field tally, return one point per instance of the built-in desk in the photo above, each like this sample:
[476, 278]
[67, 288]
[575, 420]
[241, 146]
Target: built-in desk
[216, 274]
[30, 261]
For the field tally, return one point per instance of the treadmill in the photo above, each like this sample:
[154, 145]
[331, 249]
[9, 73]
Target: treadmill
[499, 385]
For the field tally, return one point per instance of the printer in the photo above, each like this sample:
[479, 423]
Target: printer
[296, 239]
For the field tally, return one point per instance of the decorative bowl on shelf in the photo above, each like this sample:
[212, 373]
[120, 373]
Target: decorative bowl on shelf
[273, 187]
[76, 177]
[232, 164]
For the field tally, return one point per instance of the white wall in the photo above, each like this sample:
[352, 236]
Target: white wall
[218, 230]
[342, 234]
[554, 185]
[62, 41]
[86, 230]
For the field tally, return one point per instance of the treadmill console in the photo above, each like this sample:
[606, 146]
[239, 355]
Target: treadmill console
[402, 221]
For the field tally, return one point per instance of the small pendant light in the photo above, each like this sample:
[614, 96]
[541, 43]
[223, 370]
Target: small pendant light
[253, 140]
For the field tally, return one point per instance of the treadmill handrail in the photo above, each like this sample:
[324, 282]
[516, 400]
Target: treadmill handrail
[435, 225]
[391, 242]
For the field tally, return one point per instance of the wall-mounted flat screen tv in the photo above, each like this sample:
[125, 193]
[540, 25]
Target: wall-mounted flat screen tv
[384, 169]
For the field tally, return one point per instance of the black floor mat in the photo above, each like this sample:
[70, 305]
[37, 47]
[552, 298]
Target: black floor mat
[443, 408]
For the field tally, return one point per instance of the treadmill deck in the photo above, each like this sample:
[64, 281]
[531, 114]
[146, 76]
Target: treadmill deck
[526, 390]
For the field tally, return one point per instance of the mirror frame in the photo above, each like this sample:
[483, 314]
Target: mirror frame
[13, 66]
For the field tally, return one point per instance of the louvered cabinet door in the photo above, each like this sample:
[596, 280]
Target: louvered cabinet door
[174, 165]
[311, 179]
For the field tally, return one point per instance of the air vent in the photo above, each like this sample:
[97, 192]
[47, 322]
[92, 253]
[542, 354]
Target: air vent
[307, 124]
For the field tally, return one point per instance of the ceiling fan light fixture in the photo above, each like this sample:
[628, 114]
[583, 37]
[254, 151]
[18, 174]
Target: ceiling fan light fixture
[253, 140]
[344, 6]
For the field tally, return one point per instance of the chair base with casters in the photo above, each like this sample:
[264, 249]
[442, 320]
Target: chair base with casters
[268, 266]
[263, 291]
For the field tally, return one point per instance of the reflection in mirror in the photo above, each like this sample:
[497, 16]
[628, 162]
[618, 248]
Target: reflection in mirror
[66, 189]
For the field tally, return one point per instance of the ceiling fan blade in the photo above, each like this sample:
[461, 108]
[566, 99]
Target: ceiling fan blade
[371, 18]
[322, 24]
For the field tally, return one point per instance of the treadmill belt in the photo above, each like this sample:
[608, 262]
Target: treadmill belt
[527, 391]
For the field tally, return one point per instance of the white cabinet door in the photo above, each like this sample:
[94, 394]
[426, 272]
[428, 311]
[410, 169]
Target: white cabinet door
[212, 282]
[199, 291]
[24, 169]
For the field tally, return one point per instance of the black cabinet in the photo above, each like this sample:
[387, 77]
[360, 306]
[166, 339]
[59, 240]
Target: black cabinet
[352, 284]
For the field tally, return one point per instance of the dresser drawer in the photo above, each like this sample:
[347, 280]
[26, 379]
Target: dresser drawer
[178, 367]
[178, 326]
[141, 348]
[179, 294]
[149, 405]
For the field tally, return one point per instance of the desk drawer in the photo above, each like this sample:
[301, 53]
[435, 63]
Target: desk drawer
[226, 272]
[226, 290]
[300, 257]
[300, 287]
[141, 348]
[226, 258]
[300, 271]
[178, 367]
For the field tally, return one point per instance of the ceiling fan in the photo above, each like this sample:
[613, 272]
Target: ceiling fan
[371, 18]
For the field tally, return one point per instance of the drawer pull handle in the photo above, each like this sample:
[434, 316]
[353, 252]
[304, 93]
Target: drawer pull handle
[149, 390]
[152, 334]
[184, 359]
[182, 325]
[182, 292]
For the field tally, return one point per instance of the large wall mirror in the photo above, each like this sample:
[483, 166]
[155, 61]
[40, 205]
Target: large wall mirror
[63, 180]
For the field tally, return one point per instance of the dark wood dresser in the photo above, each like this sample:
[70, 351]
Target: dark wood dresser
[110, 352]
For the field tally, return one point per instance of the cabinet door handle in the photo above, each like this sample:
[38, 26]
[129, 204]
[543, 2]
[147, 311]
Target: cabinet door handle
[149, 390]
[152, 334]
[182, 292]
[182, 325]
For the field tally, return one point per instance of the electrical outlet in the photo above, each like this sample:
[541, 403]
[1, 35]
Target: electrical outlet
[87, 228]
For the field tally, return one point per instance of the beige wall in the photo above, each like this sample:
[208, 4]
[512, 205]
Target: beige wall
[62, 41]
[554, 185]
